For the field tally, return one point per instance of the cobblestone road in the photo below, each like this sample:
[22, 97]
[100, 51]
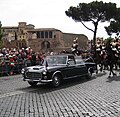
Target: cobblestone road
[98, 97]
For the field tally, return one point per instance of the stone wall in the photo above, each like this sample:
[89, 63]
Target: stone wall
[60, 42]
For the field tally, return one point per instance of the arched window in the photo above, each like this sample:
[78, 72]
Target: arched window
[45, 45]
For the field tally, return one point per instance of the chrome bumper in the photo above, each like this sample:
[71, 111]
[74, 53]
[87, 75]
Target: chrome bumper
[42, 81]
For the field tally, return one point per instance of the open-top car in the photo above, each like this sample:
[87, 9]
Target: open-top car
[55, 69]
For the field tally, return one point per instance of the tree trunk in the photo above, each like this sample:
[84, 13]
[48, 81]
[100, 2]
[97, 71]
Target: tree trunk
[94, 39]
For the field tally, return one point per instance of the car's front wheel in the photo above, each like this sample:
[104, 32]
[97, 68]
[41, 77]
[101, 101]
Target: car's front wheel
[32, 83]
[56, 80]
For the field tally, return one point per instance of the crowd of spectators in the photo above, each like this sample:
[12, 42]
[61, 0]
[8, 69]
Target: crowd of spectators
[12, 60]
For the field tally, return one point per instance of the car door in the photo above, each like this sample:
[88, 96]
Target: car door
[81, 67]
[70, 69]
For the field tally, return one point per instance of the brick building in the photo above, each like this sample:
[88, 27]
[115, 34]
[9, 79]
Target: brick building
[41, 39]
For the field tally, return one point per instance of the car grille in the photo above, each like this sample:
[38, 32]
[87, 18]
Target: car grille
[33, 75]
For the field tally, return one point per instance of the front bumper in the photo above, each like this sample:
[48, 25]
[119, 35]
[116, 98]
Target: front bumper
[36, 76]
[37, 80]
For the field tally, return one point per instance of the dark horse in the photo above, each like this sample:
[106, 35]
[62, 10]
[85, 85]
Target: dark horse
[112, 59]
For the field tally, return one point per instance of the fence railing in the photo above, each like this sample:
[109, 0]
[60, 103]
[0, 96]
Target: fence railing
[6, 68]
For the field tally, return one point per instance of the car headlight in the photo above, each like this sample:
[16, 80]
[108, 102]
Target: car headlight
[44, 72]
[22, 71]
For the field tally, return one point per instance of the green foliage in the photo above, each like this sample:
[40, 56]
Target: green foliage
[114, 26]
[94, 12]
[108, 40]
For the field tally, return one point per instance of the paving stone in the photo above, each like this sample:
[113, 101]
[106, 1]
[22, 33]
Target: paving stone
[98, 97]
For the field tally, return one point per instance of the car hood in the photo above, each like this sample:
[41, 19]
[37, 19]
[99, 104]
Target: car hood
[42, 68]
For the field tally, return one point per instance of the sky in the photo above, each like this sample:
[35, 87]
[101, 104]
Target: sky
[48, 14]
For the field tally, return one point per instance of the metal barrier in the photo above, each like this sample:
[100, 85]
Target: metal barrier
[6, 69]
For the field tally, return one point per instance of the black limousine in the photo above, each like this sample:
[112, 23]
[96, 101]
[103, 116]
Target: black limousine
[56, 68]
